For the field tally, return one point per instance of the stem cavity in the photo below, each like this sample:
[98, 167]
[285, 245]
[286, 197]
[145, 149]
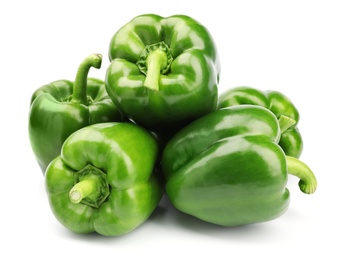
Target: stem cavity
[154, 61]
[80, 83]
[308, 181]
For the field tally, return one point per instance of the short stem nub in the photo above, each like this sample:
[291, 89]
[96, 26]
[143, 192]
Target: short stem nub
[80, 83]
[308, 181]
[285, 123]
[82, 190]
[90, 187]
[154, 61]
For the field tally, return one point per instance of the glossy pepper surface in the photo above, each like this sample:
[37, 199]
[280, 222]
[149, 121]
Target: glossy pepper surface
[226, 167]
[164, 72]
[103, 180]
[291, 140]
[62, 107]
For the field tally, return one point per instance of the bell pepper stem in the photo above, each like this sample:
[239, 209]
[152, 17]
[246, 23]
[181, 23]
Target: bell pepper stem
[90, 187]
[156, 61]
[308, 181]
[80, 83]
[82, 190]
[285, 123]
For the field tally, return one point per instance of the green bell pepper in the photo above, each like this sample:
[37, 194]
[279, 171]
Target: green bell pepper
[226, 167]
[62, 107]
[164, 72]
[103, 180]
[291, 140]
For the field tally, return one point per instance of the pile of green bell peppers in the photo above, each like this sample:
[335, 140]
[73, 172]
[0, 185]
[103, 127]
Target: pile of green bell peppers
[110, 149]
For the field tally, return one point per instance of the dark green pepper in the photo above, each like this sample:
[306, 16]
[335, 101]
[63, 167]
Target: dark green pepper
[164, 72]
[227, 167]
[62, 107]
[291, 140]
[104, 179]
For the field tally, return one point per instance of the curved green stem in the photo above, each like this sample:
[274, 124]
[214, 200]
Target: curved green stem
[82, 190]
[285, 123]
[308, 181]
[80, 83]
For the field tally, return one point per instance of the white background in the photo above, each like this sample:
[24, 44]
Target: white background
[289, 46]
